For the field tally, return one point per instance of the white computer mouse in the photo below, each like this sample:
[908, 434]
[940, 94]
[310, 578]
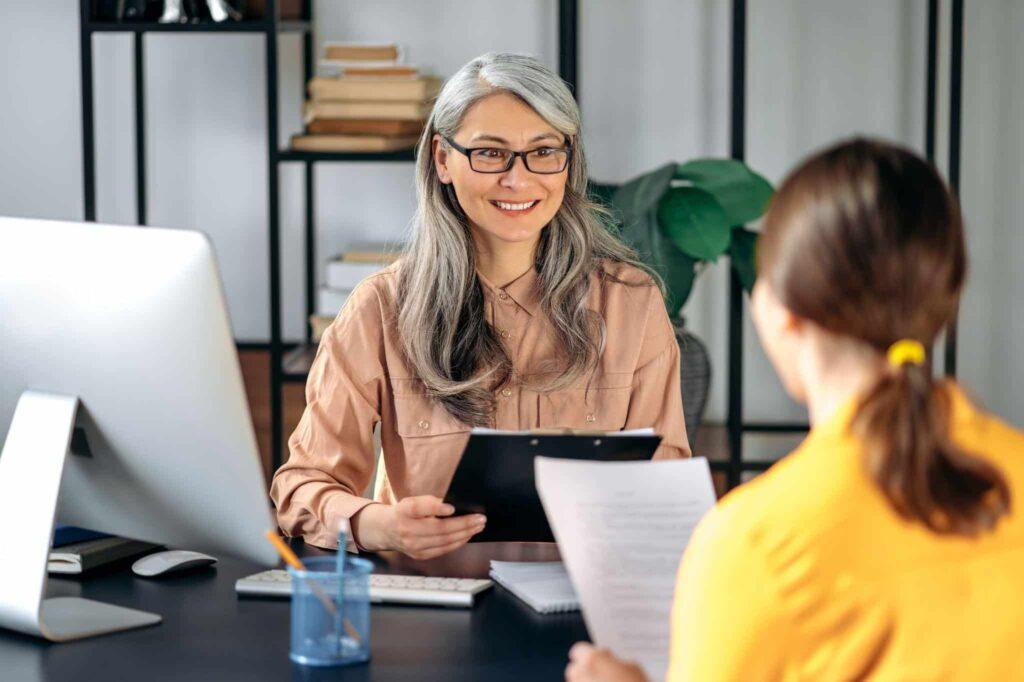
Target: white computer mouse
[171, 560]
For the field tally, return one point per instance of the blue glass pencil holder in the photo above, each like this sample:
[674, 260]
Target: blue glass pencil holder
[331, 612]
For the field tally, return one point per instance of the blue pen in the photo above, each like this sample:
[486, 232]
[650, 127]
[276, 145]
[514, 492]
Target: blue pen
[343, 532]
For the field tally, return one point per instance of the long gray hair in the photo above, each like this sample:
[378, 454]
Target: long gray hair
[440, 304]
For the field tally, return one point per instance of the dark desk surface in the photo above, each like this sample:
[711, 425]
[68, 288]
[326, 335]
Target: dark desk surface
[209, 633]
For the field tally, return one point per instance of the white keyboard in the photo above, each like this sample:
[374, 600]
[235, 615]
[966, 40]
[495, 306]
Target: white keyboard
[384, 589]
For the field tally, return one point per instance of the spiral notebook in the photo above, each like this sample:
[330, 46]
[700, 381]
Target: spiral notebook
[545, 586]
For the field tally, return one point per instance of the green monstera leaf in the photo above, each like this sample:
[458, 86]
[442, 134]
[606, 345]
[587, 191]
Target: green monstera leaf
[695, 222]
[741, 192]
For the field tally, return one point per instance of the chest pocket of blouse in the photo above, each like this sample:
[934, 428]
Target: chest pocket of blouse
[600, 409]
[419, 417]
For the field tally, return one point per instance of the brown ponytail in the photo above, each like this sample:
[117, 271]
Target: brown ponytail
[904, 424]
[865, 240]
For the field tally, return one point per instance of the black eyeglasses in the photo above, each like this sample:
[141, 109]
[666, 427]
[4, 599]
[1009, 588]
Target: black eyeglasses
[543, 160]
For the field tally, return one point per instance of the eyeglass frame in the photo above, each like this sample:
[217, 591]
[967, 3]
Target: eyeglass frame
[466, 151]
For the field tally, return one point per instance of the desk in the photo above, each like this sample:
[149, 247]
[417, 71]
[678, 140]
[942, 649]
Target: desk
[209, 633]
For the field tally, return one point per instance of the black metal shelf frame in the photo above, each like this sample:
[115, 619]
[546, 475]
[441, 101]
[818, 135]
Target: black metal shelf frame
[737, 465]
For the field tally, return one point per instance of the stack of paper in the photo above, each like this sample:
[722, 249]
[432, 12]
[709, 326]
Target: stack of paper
[545, 586]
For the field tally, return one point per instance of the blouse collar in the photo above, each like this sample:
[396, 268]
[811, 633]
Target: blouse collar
[522, 290]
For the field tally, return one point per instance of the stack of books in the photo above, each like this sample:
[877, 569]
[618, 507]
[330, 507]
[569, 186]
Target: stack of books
[370, 102]
[341, 275]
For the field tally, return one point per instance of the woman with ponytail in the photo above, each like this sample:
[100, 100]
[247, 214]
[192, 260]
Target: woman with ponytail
[888, 545]
[513, 307]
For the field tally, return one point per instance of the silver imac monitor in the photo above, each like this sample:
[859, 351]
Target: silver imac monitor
[122, 410]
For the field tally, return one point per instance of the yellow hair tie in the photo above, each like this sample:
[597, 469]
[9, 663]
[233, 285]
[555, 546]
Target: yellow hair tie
[904, 351]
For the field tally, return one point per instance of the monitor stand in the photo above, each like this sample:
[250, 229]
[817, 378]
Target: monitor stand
[31, 467]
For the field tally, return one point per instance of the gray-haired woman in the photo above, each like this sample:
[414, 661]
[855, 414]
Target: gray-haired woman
[512, 307]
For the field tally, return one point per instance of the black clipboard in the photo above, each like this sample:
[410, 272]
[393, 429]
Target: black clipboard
[495, 476]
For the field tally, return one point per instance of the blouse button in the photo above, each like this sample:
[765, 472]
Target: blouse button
[505, 334]
[424, 424]
[506, 391]
[591, 417]
[503, 296]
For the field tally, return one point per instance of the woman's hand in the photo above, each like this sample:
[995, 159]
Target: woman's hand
[415, 526]
[587, 663]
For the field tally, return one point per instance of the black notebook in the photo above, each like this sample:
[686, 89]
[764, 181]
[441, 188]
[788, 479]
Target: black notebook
[495, 474]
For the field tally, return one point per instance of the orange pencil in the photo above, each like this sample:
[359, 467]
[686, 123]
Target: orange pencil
[292, 560]
[285, 551]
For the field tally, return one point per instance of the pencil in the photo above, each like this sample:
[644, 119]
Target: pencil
[285, 551]
[292, 560]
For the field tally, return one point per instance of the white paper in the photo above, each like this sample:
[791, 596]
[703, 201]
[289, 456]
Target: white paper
[621, 529]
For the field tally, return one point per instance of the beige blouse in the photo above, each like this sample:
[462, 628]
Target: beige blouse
[359, 379]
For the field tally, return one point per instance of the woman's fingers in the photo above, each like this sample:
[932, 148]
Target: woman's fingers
[423, 526]
[444, 549]
[427, 515]
[457, 524]
[430, 541]
[434, 516]
[581, 651]
[424, 506]
[422, 543]
[588, 663]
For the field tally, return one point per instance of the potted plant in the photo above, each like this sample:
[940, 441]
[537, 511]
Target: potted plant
[680, 218]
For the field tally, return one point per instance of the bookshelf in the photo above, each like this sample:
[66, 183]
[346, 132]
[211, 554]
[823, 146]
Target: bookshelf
[293, 365]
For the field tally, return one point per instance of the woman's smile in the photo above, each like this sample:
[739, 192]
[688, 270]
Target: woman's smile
[514, 209]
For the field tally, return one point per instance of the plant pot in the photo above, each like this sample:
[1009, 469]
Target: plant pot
[695, 377]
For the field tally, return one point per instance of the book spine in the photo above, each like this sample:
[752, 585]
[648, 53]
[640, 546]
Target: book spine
[336, 126]
[355, 52]
[397, 111]
[351, 143]
[325, 89]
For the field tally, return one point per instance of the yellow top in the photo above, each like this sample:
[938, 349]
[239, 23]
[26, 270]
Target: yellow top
[807, 573]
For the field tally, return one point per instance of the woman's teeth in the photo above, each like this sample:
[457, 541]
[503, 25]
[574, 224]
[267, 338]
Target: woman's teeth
[514, 207]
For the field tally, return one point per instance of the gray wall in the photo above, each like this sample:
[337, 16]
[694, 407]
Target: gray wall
[654, 84]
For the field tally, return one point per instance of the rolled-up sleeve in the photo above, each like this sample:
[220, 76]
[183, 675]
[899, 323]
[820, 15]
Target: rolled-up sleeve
[332, 457]
[656, 399]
